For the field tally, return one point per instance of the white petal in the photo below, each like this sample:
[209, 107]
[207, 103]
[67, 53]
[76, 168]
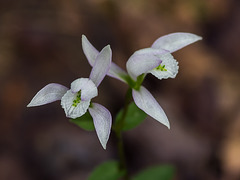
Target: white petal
[50, 93]
[171, 66]
[87, 87]
[102, 121]
[143, 61]
[145, 101]
[101, 65]
[89, 50]
[91, 53]
[70, 110]
[116, 72]
[175, 41]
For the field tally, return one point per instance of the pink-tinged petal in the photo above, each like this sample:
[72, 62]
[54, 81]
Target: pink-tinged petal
[143, 61]
[89, 50]
[102, 120]
[170, 69]
[175, 41]
[73, 111]
[102, 65]
[50, 93]
[145, 101]
[116, 72]
[87, 87]
[91, 53]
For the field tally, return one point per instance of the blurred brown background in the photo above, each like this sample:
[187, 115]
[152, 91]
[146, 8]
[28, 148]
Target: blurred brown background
[40, 43]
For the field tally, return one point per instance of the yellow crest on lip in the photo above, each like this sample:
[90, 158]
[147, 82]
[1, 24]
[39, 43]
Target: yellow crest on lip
[161, 68]
[77, 100]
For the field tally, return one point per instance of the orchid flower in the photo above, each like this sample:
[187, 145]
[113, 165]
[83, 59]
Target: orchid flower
[156, 60]
[77, 100]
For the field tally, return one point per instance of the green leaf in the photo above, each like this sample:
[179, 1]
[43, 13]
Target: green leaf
[85, 122]
[106, 171]
[164, 172]
[133, 118]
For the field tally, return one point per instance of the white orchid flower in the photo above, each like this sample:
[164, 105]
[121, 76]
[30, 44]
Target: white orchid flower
[77, 100]
[156, 60]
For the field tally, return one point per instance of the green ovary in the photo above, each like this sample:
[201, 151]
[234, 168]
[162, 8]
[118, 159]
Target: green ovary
[77, 100]
[161, 68]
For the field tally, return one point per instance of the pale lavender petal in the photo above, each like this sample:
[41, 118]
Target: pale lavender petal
[70, 110]
[102, 65]
[91, 53]
[87, 87]
[89, 50]
[50, 93]
[116, 72]
[175, 41]
[102, 120]
[145, 101]
[143, 61]
[171, 68]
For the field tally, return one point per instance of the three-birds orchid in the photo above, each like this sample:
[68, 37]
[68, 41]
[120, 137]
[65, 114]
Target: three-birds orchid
[77, 100]
[156, 60]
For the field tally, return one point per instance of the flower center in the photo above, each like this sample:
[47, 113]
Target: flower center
[161, 68]
[77, 99]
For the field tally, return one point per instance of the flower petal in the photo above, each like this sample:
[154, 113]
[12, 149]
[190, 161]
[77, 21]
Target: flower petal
[102, 120]
[87, 87]
[143, 61]
[101, 65]
[50, 93]
[175, 41]
[91, 53]
[170, 66]
[70, 110]
[89, 50]
[145, 101]
[116, 72]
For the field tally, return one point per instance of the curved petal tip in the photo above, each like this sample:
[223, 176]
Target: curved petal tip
[102, 120]
[175, 41]
[101, 65]
[145, 101]
[50, 93]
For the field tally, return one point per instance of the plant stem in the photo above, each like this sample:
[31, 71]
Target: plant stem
[122, 158]
[118, 131]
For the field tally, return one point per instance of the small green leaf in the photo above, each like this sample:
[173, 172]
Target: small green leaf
[107, 171]
[85, 122]
[133, 118]
[164, 172]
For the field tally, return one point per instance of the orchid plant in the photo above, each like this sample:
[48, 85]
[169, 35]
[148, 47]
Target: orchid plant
[76, 101]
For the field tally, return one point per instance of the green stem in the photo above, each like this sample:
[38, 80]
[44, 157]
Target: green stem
[139, 81]
[118, 126]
